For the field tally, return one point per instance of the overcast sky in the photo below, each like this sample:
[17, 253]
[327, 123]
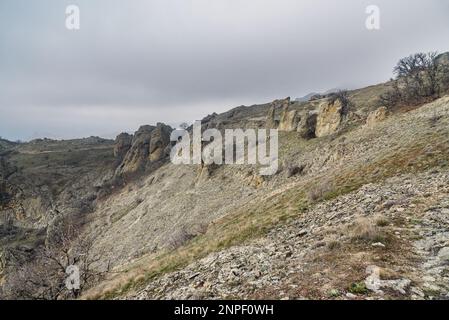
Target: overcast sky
[141, 62]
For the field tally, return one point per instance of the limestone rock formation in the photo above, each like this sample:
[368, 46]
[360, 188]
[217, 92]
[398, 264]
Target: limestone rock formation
[122, 144]
[289, 120]
[137, 155]
[376, 116]
[148, 145]
[271, 122]
[307, 124]
[330, 116]
[160, 139]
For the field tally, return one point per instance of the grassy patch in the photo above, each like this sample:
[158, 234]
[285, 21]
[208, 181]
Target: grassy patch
[358, 288]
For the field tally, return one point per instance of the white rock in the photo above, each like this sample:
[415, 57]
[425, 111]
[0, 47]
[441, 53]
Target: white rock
[444, 254]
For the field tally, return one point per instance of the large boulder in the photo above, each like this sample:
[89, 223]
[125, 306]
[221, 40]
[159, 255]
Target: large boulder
[330, 117]
[376, 116]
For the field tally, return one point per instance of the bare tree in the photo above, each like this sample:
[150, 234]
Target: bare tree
[44, 277]
[418, 79]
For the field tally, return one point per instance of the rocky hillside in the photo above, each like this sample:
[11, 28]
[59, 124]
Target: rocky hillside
[357, 210]
[366, 202]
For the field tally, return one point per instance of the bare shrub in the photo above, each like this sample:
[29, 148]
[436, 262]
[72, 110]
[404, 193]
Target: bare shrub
[293, 170]
[319, 191]
[343, 97]
[44, 277]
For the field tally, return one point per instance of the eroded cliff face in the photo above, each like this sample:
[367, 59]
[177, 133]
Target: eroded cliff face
[330, 117]
[145, 149]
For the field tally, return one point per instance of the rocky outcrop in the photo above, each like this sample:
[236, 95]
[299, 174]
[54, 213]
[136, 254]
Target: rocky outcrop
[148, 145]
[376, 116]
[307, 124]
[159, 141]
[122, 145]
[137, 155]
[289, 120]
[330, 117]
[272, 122]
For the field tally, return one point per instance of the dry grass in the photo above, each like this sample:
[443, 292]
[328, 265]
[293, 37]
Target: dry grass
[319, 191]
[381, 221]
[366, 230]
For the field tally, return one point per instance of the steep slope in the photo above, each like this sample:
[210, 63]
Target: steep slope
[332, 166]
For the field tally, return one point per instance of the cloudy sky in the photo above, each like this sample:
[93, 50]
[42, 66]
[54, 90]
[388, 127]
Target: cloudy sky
[146, 61]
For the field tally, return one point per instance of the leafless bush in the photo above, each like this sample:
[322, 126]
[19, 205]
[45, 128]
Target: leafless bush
[44, 277]
[293, 170]
[319, 191]
[343, 97]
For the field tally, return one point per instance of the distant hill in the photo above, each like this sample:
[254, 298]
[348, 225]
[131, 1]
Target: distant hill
[6, 144]
[306, 97]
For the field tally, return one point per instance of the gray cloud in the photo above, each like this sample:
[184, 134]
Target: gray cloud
[142, 61]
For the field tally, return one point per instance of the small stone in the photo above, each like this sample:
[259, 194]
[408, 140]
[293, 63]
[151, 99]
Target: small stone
[443, 254]
[378, 244]
[302, 233]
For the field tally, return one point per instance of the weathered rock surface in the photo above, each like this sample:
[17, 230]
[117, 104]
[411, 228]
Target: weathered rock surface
[159, 141]
[271, 122]
[148, 145]
[289, 120]
[307, 124]
[122, 145]
[286, 119]
[329, 118]
[376, 116]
